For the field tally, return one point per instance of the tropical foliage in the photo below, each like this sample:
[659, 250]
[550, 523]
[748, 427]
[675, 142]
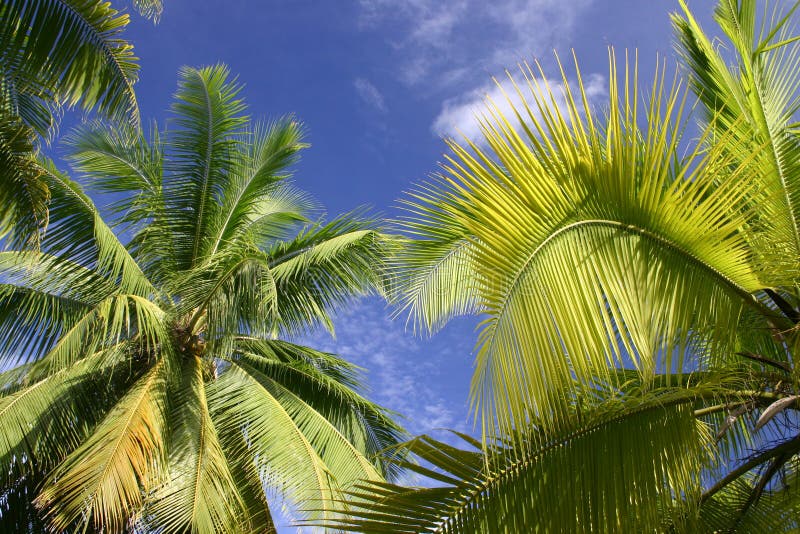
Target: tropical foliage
[153, 390]
[55, 54]
[636, 367]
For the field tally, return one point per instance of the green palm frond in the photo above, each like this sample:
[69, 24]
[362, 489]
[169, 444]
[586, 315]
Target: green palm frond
[121, 161]
[755, 102]
[81, 236]
[58, 311]
[75, 49]
[621, 464]
[329, 385]
[23, 98]
[592, 245]
[23, 195]
[296, 447]
[326, 265]
[201, 493]
[433, 273]
[56, 53]
[208, 118]
[257, 517]
[258, 201]
[37, 413]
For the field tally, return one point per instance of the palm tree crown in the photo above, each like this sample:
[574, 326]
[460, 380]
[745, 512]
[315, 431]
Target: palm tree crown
[152, 390]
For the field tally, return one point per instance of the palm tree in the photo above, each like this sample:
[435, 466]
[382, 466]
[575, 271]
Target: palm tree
[55, 54]
[154, 390]
[636, 367]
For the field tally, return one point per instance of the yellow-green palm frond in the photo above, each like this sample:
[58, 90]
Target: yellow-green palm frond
[330, 386]
[208, 119]
[325, 266]
[293, 445]
[594, 245]
[38, 410]
[259, 204]
[754, 102]
[433, 273]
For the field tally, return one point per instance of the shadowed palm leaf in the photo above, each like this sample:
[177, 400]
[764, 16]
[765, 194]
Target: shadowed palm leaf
[56, 53]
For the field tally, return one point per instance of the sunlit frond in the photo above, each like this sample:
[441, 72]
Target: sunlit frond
[37, 412]
[325, 266]
[81, 236]
[592, 246]
[203, 146]
[755, 102]
[329, 385]
[433, 273]
[259, 201]
[287, 439]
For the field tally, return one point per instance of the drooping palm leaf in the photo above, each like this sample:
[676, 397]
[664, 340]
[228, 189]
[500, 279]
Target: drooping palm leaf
[329, 386]
[617, 462]
[201, 494]
[589, 240]
[103, 479]
[75, 49]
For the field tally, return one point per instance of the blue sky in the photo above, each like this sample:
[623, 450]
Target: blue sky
[377, 83]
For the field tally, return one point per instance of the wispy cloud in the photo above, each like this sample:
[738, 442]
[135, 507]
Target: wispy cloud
[449, 44]
[459, 115]
[405, 374]
[370, 94]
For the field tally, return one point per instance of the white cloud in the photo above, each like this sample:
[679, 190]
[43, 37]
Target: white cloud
[459, 116]
[444, 44]
[370, 94]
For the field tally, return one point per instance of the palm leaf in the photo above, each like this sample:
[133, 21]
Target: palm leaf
[329, 385]
[325, 266]
[75, 48]
[258, 194]
[245, 401]
[562, 482]
[754, 102]
[38, 413]
[23, 195]
[433, 272]
[208, 116]
[101, 482]
[201, 493]
[593, 247]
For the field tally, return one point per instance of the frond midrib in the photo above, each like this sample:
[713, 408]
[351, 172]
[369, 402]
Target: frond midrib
[746, 296]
